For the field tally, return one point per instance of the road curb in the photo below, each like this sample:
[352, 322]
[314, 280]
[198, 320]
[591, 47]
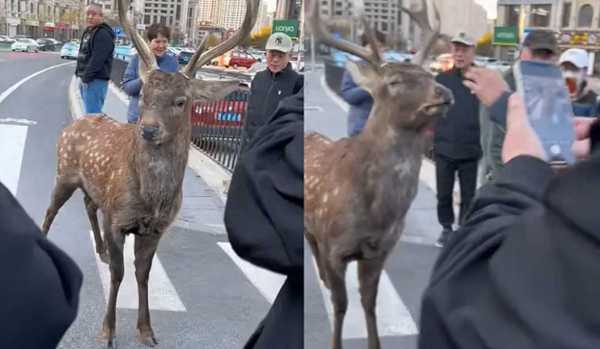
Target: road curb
[214, 175]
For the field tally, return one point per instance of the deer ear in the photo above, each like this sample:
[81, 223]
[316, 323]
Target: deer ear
[363, 74]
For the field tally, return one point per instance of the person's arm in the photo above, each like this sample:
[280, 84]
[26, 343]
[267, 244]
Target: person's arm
[103, 47]
[351, 92]
[132, 83]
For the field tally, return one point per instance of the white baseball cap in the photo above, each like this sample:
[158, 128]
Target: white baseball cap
[279, 42]
[577, 56]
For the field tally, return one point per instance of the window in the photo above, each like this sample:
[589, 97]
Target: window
[566, 15]
[163, 20]
[540, 15]
[147, 19]
[384, 26]
[512, 15]
[584, 18]
[178, 15]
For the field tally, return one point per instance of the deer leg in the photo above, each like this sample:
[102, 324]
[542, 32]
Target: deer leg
[369, 272]
[114, 242]
[316, 251]
[336, 274]
[145, 247]
[92, 211]
[62, 192]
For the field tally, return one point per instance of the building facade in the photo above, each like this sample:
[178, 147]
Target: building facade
[575, 22]
[60, 19]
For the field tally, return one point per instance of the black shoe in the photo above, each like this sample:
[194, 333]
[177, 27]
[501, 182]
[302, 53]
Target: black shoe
[441, 241]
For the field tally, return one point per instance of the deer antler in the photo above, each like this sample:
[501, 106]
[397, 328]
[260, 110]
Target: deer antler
[431, 33]
[199, 58]
[372, 55]
[147, 59]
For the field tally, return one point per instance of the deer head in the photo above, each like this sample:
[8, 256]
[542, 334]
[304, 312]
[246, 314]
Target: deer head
[167, 98]
[405, 95]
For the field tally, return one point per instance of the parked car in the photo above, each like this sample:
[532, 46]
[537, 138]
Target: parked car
[173, 51]
[240, 59]
[45, 44]
[442, 63]
[184, 55]
[25, 45]
[6, 39]
[70, 50]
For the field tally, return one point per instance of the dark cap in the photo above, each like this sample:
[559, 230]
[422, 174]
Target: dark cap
[541, 40]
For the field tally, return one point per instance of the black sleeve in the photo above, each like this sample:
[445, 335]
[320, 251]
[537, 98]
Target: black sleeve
[40, 283]
[102, 49]
[265, 206]
[299, 83]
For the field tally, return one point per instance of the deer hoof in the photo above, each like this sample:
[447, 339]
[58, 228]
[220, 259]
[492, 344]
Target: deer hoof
[147, 338]
[109, 337]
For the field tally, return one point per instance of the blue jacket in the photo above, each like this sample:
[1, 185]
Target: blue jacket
[132, 84]
[360, 102]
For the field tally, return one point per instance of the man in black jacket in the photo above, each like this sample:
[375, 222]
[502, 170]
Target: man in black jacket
[457, 146]
[522, 271]
[270, 86]
[264, 217]
[95, 59]
[40, 283]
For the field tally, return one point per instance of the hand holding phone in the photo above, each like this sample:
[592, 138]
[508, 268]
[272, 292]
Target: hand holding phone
[548, 108]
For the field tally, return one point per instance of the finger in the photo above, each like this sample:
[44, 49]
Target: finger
[473, 73]
[581, 149]
[471, 85]
[517, 115]
[582, 126]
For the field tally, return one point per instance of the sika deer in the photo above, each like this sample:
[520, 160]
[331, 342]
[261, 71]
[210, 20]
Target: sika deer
[134, 173]
[358, 190]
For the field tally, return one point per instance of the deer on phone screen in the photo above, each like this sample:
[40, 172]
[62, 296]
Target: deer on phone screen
[133, 174]
[358, 190]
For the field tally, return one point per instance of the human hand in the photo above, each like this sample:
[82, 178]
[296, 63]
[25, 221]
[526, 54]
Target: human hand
[487, 84]
[581, 146]
[520, 138]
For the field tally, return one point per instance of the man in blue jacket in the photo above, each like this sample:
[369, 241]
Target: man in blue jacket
[94, 62]
[158, 36]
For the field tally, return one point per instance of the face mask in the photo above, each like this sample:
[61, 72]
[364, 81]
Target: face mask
[574, 81]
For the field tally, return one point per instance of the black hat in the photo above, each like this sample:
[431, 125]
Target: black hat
[541, 40]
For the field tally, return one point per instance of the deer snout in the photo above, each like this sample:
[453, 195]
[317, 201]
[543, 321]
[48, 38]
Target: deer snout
[150, 132]
[444, 95]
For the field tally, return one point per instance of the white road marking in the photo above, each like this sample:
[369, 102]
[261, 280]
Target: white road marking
[12, 147]
[20, 121]
[267, 282]
[11, 89]
[393, 318]
[161, 292]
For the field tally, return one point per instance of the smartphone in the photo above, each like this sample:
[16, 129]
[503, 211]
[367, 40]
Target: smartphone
[548, 107]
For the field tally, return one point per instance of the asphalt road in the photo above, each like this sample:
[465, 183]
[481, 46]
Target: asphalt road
[407, 269]
[201, 297]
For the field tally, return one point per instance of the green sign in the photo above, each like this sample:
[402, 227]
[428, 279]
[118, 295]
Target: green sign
[286, 26]
[506, 36]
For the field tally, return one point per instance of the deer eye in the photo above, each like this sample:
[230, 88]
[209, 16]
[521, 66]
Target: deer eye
[180, 101]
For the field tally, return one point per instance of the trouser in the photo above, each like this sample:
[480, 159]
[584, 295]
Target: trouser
[93, 94]
[445, 171]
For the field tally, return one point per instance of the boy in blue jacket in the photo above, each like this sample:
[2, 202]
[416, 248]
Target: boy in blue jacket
[158, 36]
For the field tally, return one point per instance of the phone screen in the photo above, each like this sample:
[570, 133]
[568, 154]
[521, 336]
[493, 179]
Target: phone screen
[548, 107]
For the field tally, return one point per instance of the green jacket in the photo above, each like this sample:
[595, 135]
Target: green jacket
[492, 138]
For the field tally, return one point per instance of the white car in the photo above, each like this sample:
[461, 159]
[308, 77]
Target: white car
[25, 45]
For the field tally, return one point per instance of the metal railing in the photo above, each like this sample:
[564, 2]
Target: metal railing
[217, 128]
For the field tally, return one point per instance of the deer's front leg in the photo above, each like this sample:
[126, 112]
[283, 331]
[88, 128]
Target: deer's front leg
[114, 242]
[369, 272]
[336, 274]
[145, 247]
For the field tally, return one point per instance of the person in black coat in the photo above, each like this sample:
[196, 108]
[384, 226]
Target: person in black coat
[523, 270]
[264, 217]
[94, 62]
[271, 85]
[40, 283]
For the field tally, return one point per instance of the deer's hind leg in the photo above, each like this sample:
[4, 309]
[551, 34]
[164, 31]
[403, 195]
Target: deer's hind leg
[61, 193]
[369, 273]
[92, 212]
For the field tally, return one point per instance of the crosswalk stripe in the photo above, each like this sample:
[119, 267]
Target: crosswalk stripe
[161, 292]
[12, 148]
[393, 318]
[267, 282]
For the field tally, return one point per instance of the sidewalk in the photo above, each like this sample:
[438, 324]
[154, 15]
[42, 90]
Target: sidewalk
[203, 206]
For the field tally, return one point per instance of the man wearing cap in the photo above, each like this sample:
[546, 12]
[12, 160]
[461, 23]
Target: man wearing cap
[574, 63]
[492, 91]
[270, 86]
[456, 142]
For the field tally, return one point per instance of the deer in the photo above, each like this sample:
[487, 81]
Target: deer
[358, 190]
[133, 174]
